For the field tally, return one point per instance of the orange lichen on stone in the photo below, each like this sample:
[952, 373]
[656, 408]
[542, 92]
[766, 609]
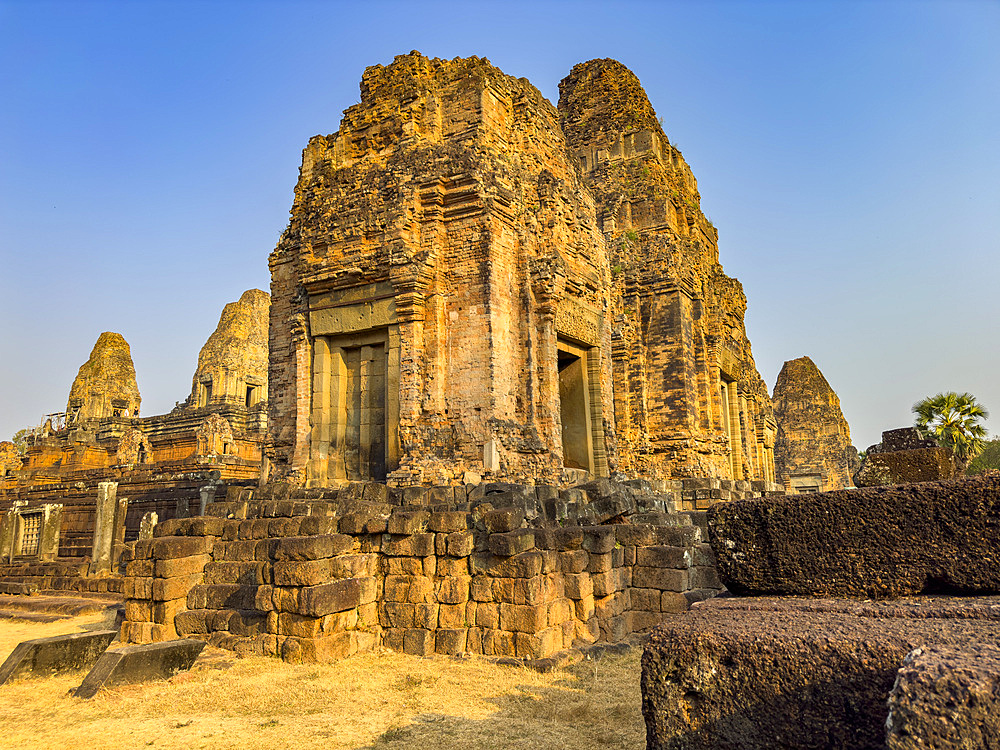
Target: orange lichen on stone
[813, 452]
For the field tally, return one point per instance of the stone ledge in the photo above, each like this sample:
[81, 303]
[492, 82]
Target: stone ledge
[790, 673]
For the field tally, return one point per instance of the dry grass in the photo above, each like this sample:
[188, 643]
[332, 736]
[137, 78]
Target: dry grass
[369, 701]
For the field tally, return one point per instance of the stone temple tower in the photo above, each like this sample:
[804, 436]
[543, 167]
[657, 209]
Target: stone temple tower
[232, 365]
[688, 398]
[475, 282]
[105, 386]
[440, 296]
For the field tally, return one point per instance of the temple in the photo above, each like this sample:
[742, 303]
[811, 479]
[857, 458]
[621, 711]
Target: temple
[474, 283]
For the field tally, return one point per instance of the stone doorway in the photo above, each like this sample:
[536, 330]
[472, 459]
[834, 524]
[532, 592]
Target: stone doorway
[579, 407]
[363, 441]
[355, 410]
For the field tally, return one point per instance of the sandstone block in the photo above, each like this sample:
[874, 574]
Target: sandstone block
[678, 536]
[408, 522]
[139, 610]
[599, 540]
[300, 626]
[482, 588]
[404, 566]
[560, 611]
[452, 566]
[245, 573]
[132, 664]
[538, 645]
[511, 543]
[425, 615]
[523, 565]
[173, 588]
[350, 619]
[193, 621]
[578, 585]
[305, 573]
[704, 578]
[574, 561]
[450, 640]
[452, 616]
[523, 618]
[665, 579]
[665, 557]
[337, 596]
[448, 521]
[396, 614]
[567, 538]
[415, 545]
[352, 566]
[503, 519]
[498, 643]
[285, 599]
[181, 566]
[164, 612]
[141, 568]
[303, 548]
[453, 589]
[221, 596]
[168, 547]
[488, 615]
[418, 642]
[585, 608]
[530, 590]
[460, 544]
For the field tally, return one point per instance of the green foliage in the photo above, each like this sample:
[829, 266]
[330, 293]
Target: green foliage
[952, 420]
[988, 458]
[20, 441]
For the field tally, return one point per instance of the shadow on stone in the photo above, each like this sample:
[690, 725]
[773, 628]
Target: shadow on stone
[60, 653]
[132, 664]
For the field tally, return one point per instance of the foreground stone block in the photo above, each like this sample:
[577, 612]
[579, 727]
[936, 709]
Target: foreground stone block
[946, 698]
[794, 673]
[877, 542]
[61, 653]
[132, 664]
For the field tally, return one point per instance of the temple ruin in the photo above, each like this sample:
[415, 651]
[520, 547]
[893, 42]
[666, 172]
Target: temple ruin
[505, 375]
[475, 283]
[813, 451]
[100, 464]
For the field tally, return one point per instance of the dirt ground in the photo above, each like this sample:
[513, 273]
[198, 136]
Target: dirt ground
[384, 700]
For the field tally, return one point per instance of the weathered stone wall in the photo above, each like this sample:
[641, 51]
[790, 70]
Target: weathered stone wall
[358, 572]
[688, 398]
[813, 450]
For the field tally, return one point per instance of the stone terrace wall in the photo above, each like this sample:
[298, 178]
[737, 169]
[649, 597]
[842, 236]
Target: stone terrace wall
[322, 578]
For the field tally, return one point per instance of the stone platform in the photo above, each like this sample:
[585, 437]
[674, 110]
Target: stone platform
[876, 542]
[806, 673]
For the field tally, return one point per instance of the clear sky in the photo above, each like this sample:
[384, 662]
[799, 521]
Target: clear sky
[848, 152]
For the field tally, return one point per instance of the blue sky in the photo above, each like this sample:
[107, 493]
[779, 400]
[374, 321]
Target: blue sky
[848, 153]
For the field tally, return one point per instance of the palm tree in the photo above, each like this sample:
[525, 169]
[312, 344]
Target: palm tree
[952, 420]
